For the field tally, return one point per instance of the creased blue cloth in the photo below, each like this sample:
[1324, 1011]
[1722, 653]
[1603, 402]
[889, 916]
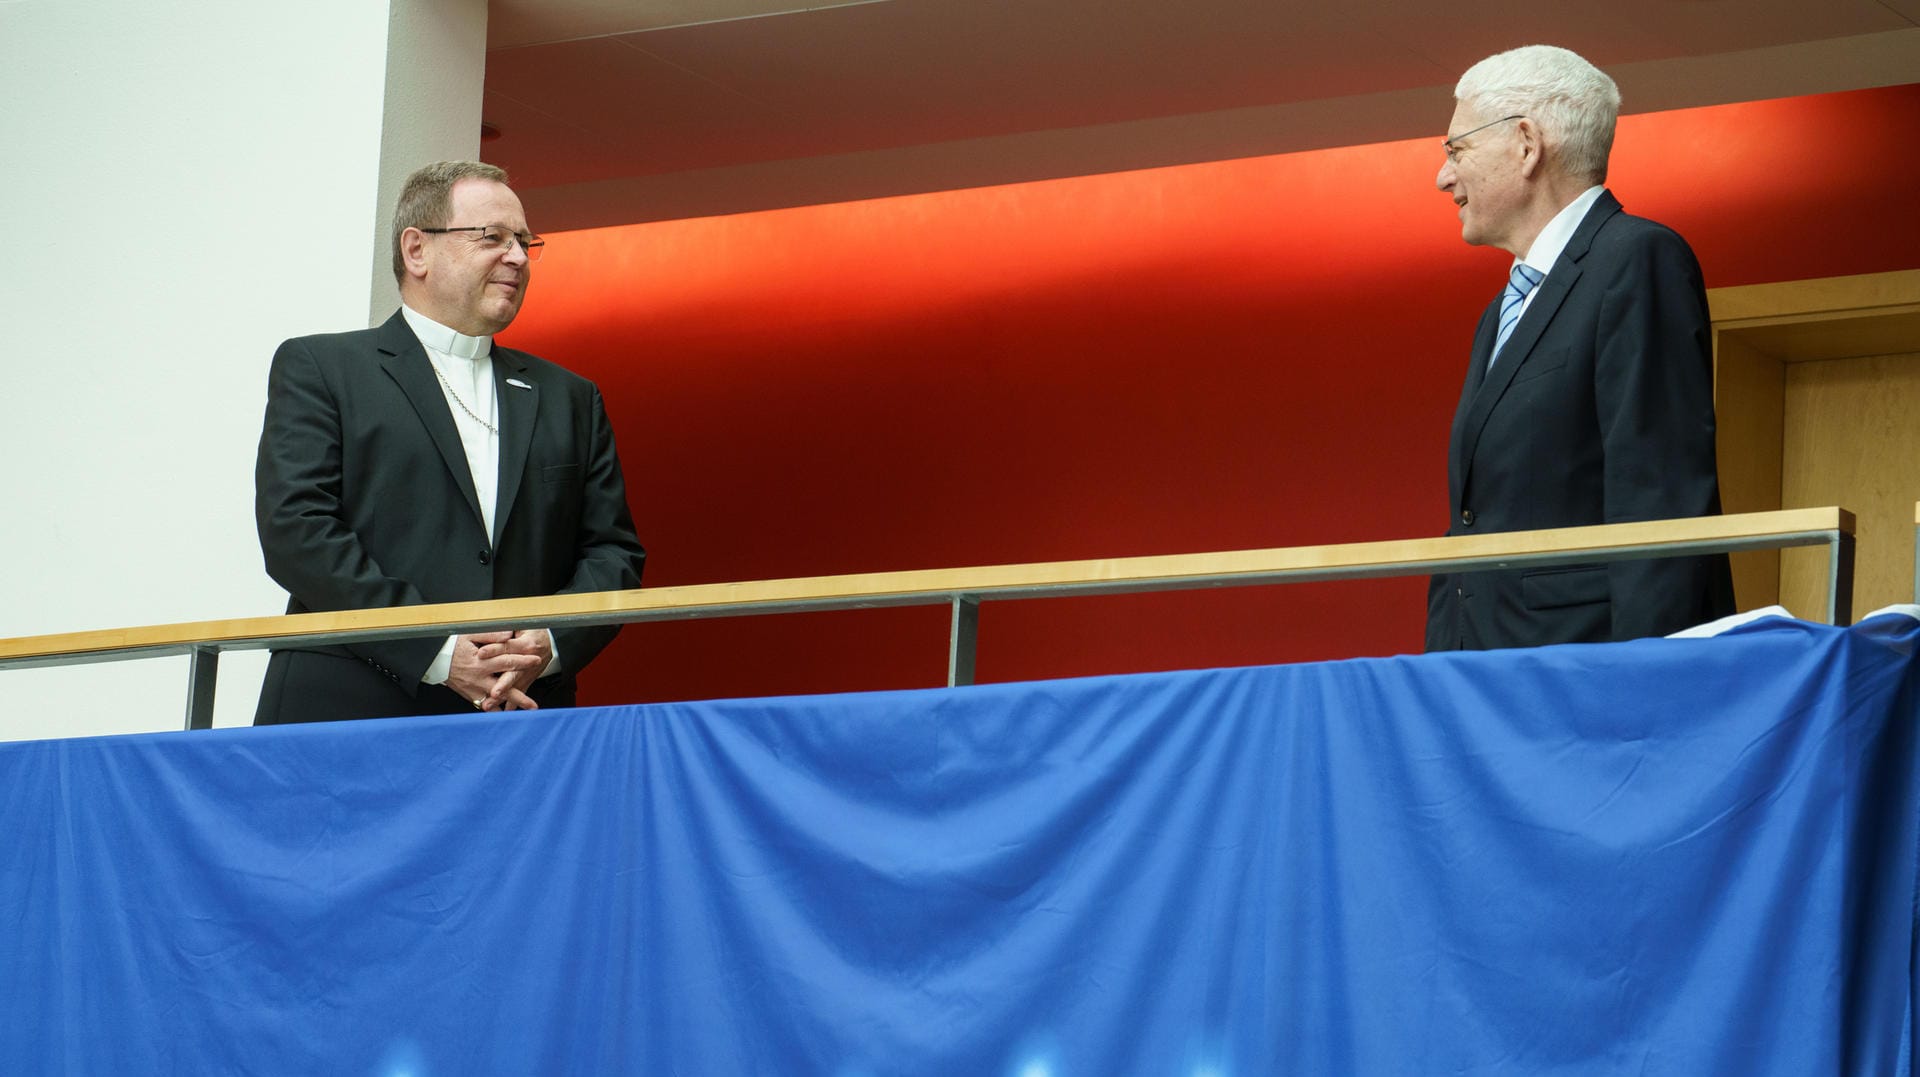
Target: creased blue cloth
[1685, 857]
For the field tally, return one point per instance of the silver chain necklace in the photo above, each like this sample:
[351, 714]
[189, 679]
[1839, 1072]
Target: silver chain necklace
[491, 429]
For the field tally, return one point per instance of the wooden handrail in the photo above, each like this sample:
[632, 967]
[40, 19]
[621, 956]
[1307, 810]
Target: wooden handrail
[1405, 557]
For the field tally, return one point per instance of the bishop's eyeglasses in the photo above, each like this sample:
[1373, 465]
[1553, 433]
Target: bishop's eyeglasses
[498, 239]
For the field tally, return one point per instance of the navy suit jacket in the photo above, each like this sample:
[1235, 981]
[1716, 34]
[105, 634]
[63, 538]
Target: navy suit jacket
[1599, 410]
[364, 498]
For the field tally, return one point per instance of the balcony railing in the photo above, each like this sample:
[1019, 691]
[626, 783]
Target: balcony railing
[963, 590]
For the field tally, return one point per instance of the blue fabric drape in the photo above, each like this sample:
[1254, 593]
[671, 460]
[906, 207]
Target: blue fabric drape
[1680, 857]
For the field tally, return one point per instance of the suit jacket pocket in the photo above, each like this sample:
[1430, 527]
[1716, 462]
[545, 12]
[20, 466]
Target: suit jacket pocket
[561, 473]
[1556, 587]
[1539, 366]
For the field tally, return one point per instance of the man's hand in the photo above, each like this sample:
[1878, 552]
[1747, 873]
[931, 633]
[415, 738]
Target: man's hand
[506, 693]
[486, 670]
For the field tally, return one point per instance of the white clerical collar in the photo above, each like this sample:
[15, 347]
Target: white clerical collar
[1554, 237]
[437, 337]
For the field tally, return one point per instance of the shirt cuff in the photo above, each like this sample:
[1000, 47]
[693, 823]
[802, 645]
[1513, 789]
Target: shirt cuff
[442, 664]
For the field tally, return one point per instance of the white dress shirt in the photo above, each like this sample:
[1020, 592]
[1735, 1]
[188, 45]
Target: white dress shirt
[464, 366]
[1553, 238]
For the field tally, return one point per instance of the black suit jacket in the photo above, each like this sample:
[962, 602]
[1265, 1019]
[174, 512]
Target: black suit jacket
[364, 498]
[1599, 410]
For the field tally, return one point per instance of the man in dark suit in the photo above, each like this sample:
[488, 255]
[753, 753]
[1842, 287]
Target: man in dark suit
[1589, 395]
[416, 462]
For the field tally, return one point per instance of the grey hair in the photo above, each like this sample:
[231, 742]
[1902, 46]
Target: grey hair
[426, 199]
[1573, 102]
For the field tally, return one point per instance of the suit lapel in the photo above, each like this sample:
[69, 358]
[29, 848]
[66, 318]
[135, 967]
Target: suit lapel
[406, 362]
[1476, 376]
[518, 407]
[1560, 281]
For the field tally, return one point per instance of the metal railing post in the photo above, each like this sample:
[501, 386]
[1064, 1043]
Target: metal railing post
[962, 638]
[1840, 579]
[203, 670]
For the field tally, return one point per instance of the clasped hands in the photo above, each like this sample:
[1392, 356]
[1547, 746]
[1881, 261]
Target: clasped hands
[491, 669]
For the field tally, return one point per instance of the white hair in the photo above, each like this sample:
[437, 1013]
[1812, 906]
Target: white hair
[1572, 102]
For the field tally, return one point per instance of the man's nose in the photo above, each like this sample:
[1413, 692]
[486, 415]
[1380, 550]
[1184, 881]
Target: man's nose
[1444, 179]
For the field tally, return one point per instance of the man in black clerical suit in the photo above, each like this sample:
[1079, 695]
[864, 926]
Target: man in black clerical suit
[1589, 395]
[416, 462]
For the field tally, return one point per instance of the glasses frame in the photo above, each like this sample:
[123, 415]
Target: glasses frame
[1453, 152]
[528, 241]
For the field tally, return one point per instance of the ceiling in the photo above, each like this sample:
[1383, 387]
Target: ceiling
[617, 111]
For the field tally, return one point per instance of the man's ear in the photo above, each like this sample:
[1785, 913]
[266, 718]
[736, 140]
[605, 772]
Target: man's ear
[1533, 148]
[413, 252]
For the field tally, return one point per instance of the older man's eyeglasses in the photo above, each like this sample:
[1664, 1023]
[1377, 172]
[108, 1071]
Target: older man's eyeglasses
[495, 239]
[1452, 142]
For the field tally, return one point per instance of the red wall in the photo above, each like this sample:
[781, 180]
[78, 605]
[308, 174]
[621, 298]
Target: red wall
[1250, 353]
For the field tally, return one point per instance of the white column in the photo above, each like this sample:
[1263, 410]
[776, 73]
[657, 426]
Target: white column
[436, 70]
[188, 184]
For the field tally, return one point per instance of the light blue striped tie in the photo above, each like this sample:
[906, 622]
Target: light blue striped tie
[1524, 279]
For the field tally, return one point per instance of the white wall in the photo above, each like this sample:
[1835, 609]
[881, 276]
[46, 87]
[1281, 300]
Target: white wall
[188, 184]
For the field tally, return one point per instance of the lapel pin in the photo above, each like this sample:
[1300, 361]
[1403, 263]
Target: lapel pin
[518, 384]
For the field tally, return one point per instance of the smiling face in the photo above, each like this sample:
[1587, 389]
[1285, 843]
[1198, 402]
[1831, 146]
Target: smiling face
[452, 279]
[1484, 174]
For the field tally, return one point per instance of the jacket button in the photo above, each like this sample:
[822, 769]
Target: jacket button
[1466, 517]
[486, 557]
